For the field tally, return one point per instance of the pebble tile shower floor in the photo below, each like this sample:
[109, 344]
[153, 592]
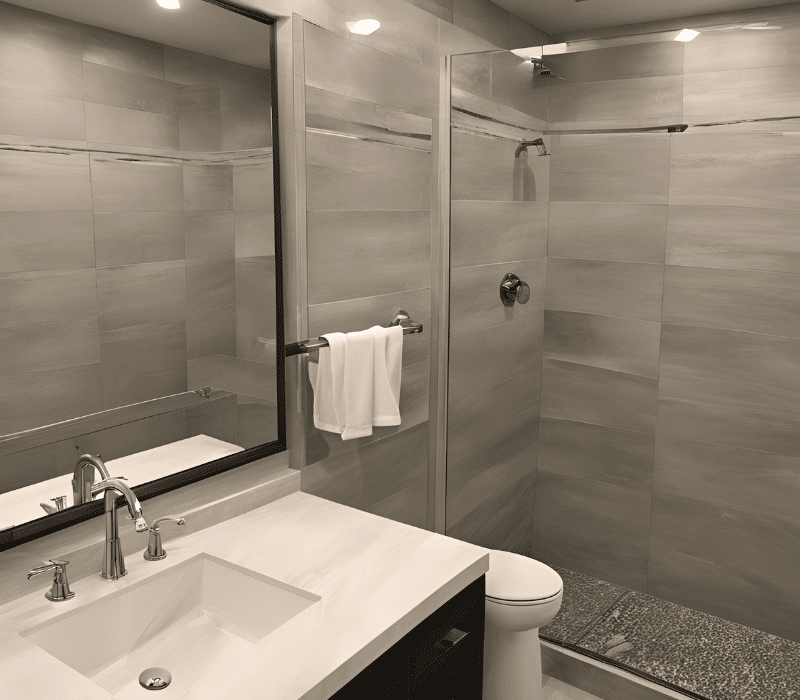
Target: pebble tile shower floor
[691, 652]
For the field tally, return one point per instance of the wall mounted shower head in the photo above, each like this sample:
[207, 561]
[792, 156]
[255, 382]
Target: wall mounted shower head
[539, 143]
[540, 68]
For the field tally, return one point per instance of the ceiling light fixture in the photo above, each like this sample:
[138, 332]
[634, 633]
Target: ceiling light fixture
[169, 4]
[364, 26]
[686, 35]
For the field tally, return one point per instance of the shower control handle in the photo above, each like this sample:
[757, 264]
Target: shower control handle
[513, 290]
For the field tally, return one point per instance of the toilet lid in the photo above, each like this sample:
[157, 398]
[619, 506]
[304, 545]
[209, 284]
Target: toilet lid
[514, 577]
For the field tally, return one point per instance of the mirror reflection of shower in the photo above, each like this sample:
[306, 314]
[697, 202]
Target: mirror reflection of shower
[541, 69]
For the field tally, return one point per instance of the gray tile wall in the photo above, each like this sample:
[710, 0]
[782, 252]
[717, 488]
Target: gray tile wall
[499, 215]
[668, 440]
[123, 257]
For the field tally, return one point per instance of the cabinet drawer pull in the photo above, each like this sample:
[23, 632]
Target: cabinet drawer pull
[453, 637]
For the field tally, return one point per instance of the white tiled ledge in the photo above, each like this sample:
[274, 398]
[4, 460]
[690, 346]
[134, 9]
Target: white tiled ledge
[377, 579]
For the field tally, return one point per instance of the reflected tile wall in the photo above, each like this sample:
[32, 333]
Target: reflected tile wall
[123, 260]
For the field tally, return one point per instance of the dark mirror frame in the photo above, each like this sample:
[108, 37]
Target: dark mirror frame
[15, 536]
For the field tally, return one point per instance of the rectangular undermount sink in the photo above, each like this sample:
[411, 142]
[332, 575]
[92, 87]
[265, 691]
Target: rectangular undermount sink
[194, 619]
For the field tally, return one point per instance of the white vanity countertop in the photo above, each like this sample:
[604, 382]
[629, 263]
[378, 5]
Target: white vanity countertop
[377, 580]
[22, 505]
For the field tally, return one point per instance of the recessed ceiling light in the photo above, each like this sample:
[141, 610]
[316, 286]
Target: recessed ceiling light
[364, 26]
[169, 4]
[686, 35]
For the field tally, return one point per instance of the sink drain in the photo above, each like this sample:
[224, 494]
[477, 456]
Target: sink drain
[155, 678]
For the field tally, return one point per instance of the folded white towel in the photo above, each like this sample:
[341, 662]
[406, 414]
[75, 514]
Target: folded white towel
[387, 363]
[327, 378]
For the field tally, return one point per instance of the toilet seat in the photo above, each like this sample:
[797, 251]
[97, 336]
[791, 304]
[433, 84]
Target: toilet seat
[513, 579]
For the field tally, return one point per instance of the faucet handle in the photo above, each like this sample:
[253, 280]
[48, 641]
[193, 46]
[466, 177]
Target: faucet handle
[60, 588]
[155, 551]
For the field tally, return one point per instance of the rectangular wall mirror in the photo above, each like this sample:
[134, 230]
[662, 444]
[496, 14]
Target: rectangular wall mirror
[140, 261]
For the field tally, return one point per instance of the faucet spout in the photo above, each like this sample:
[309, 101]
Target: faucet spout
[113, 561]
[83, 477]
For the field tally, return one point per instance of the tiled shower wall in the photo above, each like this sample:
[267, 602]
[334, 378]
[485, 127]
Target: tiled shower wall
[371, 112]
[132, 254]
[669, 456]
[498, 224]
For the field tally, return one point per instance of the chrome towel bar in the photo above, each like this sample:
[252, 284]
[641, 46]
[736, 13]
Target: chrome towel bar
[401, 318]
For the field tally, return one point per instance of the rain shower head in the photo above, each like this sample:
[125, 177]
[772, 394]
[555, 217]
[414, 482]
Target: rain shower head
[540, 68]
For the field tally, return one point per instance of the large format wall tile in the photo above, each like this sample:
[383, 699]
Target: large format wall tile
[730, 388]
[27, 113]
[20, 26]
[742, 300]
[209, 235]
[472, 73]
[607, 231]
[632, 290]
[727, 562]
[496, 24]
[757, 482]
[254, 233]
[211, 332]
[646, 60]
[596, 452]
[253, 187]
[514, 84]
[122, 51]
[409, 506]
[491, 232]
[119, 186]
[245, 117]
[486, 356]
[622, 344]
[44, 181]
[349, 68]
[207, 186]
[46, 240]
[199, 118]
[31, 400]
[348, 174]
[735, 237]
[190, 68]
[130, 295]
[52, 74]
[475, 294]
[56, 296]
[143, 362]
[487, 473]
[595, 395]
[355, 254]
[484, 167]
[484, 417]
[731, 169]
[130, 127]
[656, 100]
[598, 529]
[210, 284]
[610, 168]
[372, 473]
[40, 348]
[216, 419]
[754, 93]
[120, 88]
[21, 469]
[127, 238]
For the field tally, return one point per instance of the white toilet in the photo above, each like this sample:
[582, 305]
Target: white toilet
[522, 595]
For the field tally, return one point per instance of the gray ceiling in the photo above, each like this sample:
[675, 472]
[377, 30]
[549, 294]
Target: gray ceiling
[560, 16]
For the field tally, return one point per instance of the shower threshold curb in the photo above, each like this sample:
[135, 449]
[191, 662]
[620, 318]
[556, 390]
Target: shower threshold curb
[603, 677]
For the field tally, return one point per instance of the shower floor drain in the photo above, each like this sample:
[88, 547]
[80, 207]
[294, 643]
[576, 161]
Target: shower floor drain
[155, 678]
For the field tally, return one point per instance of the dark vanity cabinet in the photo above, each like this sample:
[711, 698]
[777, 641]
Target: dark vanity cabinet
[440, 659]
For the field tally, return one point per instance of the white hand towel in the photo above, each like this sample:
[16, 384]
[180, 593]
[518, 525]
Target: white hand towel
[388, 360]
[358, 385]
[327, 379]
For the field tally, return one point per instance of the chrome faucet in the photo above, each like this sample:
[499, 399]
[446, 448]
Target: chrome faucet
[83, 478]
[113, 561]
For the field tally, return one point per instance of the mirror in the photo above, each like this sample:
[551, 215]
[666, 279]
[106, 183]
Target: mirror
[138, 284]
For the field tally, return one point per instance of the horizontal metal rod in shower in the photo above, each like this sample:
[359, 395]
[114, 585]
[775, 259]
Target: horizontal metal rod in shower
[669, 128]
[401, 318]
